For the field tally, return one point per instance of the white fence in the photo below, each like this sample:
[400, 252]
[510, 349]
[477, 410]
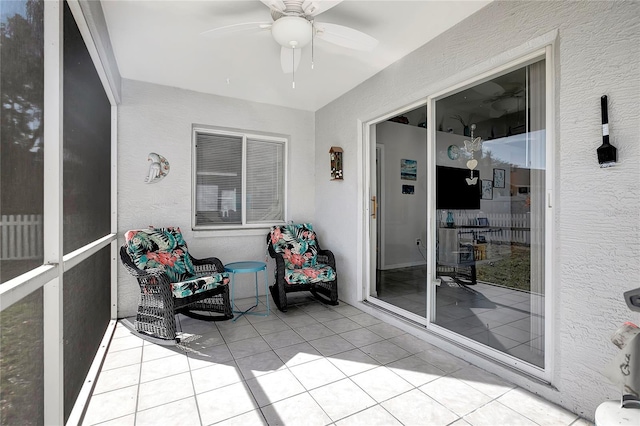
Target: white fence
[21, 237]
[500, 227]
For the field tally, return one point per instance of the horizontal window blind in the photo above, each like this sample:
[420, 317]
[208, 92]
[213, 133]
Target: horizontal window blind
[265, 181]
[218, 179]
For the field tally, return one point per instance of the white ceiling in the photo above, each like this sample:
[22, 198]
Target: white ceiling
[160, 42]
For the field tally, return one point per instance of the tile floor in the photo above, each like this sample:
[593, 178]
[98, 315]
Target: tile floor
[313, 365]
[496, 316]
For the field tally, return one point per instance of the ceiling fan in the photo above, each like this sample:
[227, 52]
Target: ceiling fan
[501, 99]
[294, 26]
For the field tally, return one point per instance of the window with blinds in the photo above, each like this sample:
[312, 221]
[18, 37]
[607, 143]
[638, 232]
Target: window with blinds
[239, 179]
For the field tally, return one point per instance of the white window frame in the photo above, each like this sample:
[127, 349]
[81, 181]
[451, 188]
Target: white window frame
[245, 136]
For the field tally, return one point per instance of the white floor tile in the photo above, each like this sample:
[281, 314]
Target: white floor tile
[537, 409]
[374, 416]
[240, 332]
[128, 342]
[117, 378]
[274, 387]
[252, 418]
[331, 345]
[342, 399]
[152, 352]
[411, 343]
[415, 370]
[353, 362]
[248, 347]
[361, 337]
[200, 341]
[215, 376]
[365, 320]
[163, 367]
[455, 395]
[341, 325]
[163, 391]
[259, 364]
[111, 405]
[381, 383]
[225, 403]
[122, 358]
[416, 408]
[274, 325]
[317, 373]
[297, 410]
[183, 412]
[283, 339]
[443, 360]
[129, 420]
[313, 331]
[495, 413]
[485, 382]
[385, 331]
[385, 352]
[346, 310]
[298, 354]
[208, 356]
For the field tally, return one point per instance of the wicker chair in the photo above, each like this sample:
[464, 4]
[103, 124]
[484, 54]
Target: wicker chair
[301, 265]
[172, 281]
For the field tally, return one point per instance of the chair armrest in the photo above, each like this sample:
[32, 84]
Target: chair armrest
[208, 265]
[326, 257]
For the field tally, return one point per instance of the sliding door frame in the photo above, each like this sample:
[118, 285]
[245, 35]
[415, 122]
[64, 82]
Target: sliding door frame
[543, 47]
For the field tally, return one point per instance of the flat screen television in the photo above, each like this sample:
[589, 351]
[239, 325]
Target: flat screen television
[452, 190]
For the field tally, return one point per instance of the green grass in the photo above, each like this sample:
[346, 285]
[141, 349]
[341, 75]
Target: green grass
[512, 269]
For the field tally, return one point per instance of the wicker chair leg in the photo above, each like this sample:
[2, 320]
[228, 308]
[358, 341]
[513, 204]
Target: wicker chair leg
[279, 297]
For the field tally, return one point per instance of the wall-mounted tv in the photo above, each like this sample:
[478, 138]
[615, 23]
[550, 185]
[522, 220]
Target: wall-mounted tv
[452, 190]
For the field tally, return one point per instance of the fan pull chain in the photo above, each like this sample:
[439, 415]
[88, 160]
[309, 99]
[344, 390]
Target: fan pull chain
[313, 34]
[293, 67]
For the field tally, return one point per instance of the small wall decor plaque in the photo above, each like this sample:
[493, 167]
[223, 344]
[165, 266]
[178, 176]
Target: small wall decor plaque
[336, 163]
[408, 189]
[408, 169]
[498, 178]
[158, 168]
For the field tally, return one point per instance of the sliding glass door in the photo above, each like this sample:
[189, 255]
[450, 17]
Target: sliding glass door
[490, 150]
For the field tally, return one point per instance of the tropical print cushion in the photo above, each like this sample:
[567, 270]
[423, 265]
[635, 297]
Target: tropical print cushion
[200, 284]
[160, 248]
[321, 273]
[297, 244]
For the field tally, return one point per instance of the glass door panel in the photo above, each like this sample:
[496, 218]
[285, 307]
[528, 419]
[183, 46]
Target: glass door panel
[400, 225]
[490, 187]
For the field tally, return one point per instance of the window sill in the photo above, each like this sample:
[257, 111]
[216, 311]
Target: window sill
[261, 230]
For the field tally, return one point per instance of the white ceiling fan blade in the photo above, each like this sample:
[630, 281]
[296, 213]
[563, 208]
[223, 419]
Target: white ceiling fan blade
[274, 4]
[237, 28]
[316, 7]
[345, 37]
[290, 59]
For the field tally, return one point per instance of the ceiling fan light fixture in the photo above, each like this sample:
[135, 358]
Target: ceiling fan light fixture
[292, 32]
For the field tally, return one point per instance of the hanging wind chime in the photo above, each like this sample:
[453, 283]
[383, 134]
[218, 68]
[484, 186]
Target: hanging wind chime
[472, 146]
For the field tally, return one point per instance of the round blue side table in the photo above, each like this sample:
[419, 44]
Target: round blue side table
[245, 268]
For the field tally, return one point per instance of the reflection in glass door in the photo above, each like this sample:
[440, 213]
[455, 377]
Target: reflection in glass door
[400, 190]
[490, 212]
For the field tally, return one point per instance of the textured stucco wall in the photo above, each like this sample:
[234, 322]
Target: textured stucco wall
[596, 211]
[154, 118]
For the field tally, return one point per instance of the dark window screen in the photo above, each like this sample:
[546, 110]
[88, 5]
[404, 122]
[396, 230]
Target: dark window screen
[87, 298]
[87, 145]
